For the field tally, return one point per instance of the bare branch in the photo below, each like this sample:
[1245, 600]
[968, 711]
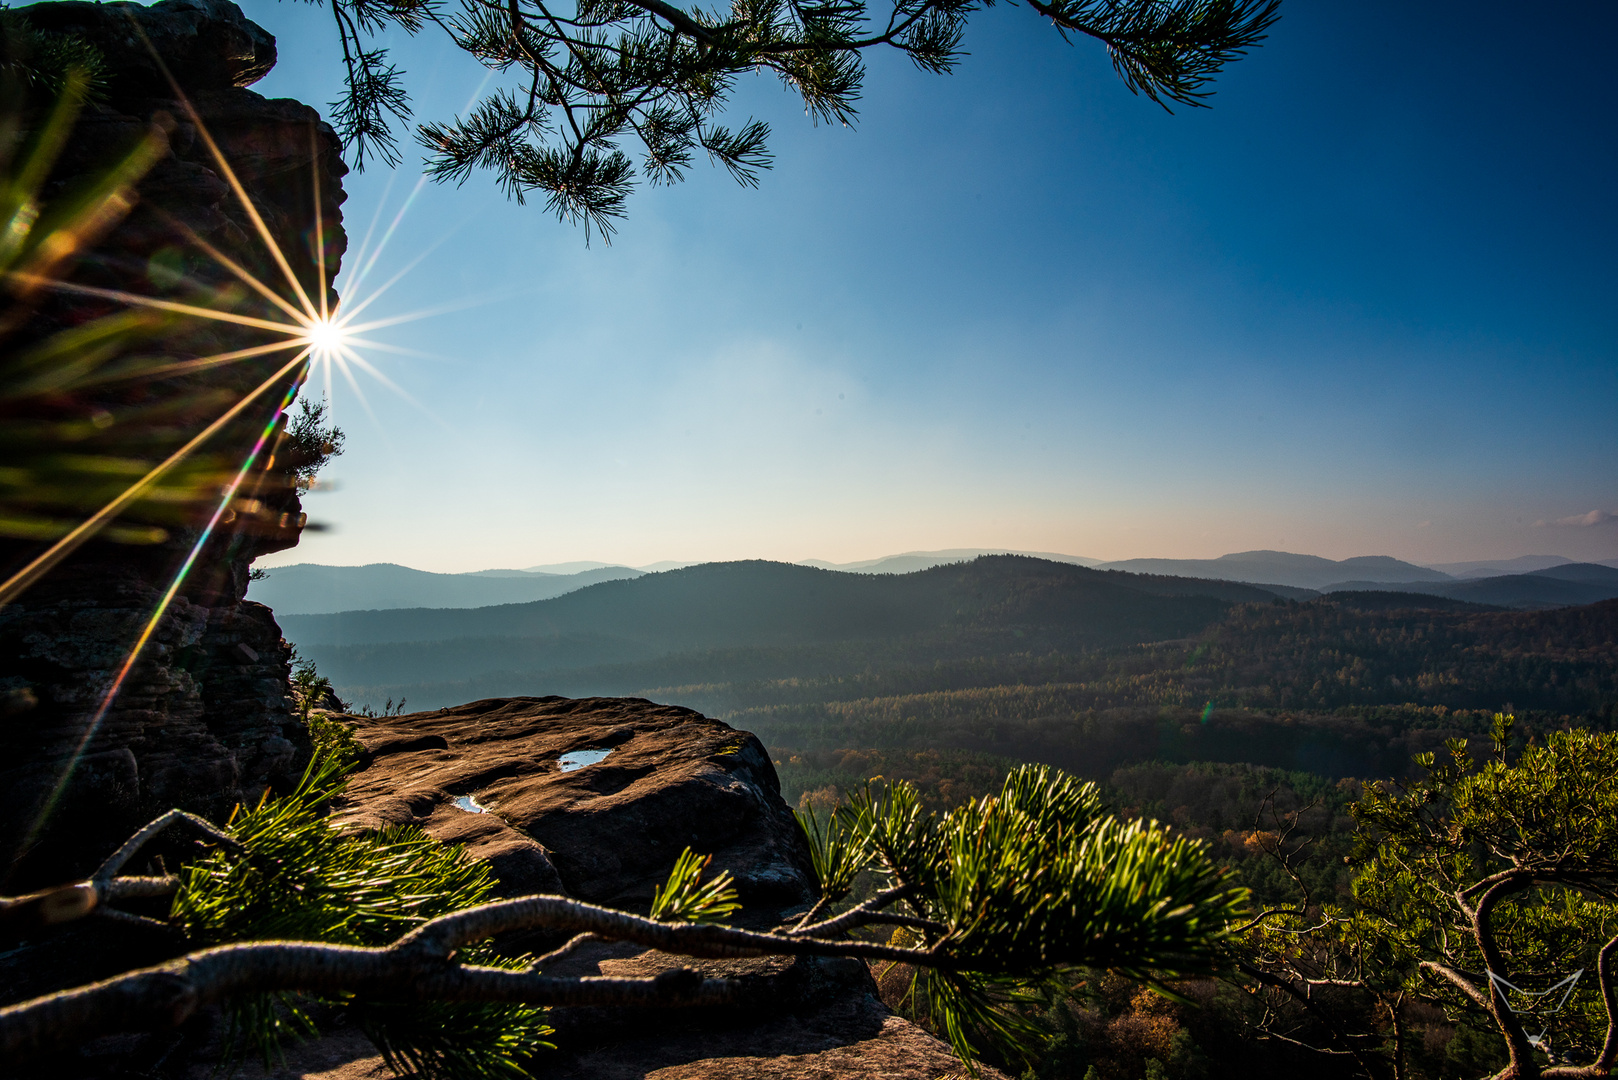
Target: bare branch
[1261, 916]
[443, 935]
[165, 996]
[109, 869]
[419, 966]
[1605, 963]
[1309, 1004]
[1460, 981]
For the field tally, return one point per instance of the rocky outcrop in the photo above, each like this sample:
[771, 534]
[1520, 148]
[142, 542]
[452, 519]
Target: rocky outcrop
[593, 797]
[523, 783]
[204, 718]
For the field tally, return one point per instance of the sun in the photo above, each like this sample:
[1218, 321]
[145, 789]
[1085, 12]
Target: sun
[326, 337]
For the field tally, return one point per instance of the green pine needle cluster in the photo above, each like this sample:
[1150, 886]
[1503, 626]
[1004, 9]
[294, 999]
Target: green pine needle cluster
[44, 65]
[295, 878]
[685, 897]
[1015, 891]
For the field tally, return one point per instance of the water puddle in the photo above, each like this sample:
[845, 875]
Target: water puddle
[578, 759]
[471, 805]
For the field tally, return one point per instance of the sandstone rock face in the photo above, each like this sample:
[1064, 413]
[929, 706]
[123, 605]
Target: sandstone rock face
[608, 831]
[204, 718]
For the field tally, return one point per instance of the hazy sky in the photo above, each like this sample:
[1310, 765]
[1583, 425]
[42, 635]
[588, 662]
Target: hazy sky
[1363, 305]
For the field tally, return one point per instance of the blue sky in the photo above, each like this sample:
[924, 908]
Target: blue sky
[1363, 305]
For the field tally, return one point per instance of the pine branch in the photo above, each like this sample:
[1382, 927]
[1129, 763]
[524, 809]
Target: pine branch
[420, 966]
[651, 71]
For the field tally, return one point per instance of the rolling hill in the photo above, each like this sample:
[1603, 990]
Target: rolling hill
[308, 588]
[757, 603]
[754, 620]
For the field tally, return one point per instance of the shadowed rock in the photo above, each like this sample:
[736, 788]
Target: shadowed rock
[205, 44]
[204, 719]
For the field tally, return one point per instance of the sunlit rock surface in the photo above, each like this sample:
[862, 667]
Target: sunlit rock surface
[606, 832]
[609, 832]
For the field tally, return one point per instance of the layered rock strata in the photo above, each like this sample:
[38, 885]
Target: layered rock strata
[204, 718]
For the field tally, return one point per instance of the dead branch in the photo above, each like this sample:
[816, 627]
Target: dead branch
[21, 916]
[420, 965]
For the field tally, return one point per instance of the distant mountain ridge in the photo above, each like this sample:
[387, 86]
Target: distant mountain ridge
[1285, 568]
[1567, 585]
[311, 589]
[735, 636]
[909, 562]
[307, 589]
[770, 614]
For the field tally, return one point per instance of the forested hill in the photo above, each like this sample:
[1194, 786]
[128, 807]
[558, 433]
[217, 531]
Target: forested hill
[1335, 652]
[747, 604]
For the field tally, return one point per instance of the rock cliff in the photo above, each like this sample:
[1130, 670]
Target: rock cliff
[204, 718]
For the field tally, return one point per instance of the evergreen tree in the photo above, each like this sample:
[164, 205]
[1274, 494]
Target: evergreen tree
[1489, 890]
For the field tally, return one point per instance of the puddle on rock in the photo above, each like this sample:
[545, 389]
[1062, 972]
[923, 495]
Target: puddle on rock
[578, 759]
[471, 805]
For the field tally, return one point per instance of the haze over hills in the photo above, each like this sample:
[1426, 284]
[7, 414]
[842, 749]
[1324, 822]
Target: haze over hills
[758, 603]
[909, 562]
[312, 589]
[997, 654]
[769, 620]
[1286, 568]
[1566, 585]
[308, 588]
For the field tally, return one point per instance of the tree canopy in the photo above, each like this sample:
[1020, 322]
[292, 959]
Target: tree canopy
[589, 77]
[1489, 890]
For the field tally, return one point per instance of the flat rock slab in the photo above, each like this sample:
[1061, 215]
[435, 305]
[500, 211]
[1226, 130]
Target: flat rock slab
[608, 831]
[854, 1040]
[850, 1041]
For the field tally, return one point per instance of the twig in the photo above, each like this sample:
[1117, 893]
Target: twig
[560, 953]
[115, 862]
[855, 916]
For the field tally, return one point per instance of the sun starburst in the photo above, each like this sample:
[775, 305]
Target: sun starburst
[326, 338]
[307, 335]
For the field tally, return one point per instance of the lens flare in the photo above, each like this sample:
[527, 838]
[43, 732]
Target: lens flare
[313, 335]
